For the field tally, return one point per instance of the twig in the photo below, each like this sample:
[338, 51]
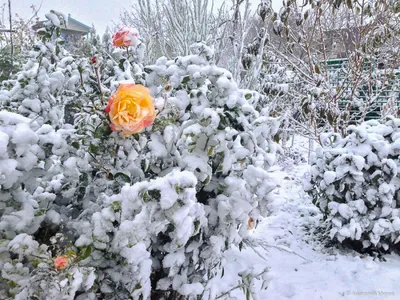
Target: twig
[240, 285]
[99, 82]
[260, 243]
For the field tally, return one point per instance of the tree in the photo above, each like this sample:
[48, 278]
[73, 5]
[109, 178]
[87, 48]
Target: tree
[170, 27]
[14, 41]
[364, 33]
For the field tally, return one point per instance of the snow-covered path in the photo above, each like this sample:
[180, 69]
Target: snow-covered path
[325, 273]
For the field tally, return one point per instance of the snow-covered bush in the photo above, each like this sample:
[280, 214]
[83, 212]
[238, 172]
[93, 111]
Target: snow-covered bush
[355, 182]
[31, 183]
[208, 152]
[48, 79]
[87, 213]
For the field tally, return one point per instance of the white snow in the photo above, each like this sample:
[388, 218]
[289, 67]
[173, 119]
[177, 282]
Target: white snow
[53, 18]
[329, 177]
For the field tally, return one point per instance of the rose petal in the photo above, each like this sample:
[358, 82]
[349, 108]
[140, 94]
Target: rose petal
[108, 107]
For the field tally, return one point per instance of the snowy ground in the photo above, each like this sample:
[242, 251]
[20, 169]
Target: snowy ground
[322, 273]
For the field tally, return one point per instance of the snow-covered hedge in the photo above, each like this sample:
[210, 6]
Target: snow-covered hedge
[86, 213]
[32, 158]
[355, 182]
[48, 80]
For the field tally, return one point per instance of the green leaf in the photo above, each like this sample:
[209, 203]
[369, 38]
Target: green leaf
[138, 286]
[41, 212]
[306, 108]
[93, 148]
[178, 189]
[41, 33]
[124, 177]
[248, 294]
[306, 15]
[85, 252]
[317, 69]
[12, 284]
[337, 3]
[185, 79]
[121, 64]
[349, 4]
[75, 145]
[116, 206]
[35, 263]
[210, 151]
[145, 164]
[102, 131]
[248, 96]
[155, 194]
[206, 181]
[196, 226]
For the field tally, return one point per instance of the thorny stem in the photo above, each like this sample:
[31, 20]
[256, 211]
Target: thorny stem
[95, 159]
[81, 77]
[116, 155]
[98, 82]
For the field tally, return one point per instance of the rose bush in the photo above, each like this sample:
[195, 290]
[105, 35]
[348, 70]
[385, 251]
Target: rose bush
[150, 215]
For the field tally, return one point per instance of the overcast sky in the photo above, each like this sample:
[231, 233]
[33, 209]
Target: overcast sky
[97, 12]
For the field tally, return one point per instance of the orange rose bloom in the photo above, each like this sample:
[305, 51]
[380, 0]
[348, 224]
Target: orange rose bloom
[131, 108]
[125, 37]
[61, 262]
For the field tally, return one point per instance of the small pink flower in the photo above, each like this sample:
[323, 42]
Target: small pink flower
[61, 262]
[94, 60]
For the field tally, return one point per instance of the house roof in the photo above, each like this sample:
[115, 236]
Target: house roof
[73, 25]
[71, 19]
